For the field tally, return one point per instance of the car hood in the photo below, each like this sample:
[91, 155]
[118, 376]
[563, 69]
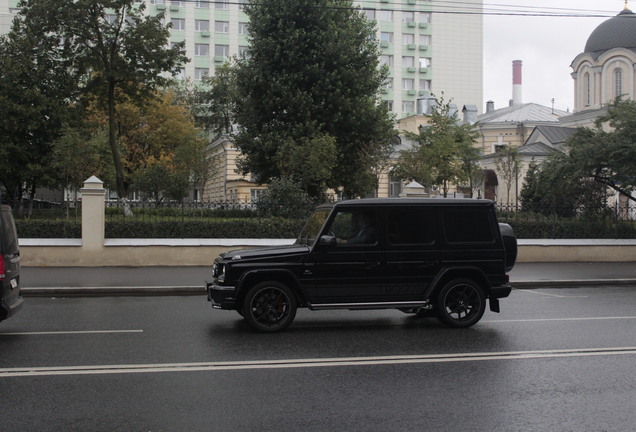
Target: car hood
[263, 253]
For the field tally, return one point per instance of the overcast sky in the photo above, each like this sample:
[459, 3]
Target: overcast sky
[546, 45]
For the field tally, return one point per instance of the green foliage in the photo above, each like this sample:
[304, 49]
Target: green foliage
[285, 198]
[38, 228]
[533, 225]
[609, 158]
[35, 88]
[311, 77]
[113, 49]
[443, 154]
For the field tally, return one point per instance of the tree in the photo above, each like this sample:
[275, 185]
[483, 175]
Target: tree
[508, 164]
[115, 49]
[163, 152]
[608, 157]
[443, 153]
[311, 79]
[557, 186]
[35, 90]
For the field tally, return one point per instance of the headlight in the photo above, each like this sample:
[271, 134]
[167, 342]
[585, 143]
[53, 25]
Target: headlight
[218, 271]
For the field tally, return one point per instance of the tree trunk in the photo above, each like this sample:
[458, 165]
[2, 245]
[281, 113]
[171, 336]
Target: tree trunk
[112, 141]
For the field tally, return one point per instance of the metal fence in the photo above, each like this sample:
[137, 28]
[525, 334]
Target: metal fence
[239, 219]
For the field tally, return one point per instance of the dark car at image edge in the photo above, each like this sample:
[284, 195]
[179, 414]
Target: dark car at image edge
[443, 258]
[10, 299]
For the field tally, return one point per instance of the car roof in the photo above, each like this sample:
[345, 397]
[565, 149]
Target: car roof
[383, 202]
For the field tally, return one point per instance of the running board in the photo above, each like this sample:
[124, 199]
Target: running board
[371, 305]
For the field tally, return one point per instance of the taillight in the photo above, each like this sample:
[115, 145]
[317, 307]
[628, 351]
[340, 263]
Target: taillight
[1, 267]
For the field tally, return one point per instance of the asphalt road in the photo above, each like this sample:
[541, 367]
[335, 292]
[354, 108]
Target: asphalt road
[554, 359]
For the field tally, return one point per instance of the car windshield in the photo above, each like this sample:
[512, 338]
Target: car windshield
[311, 230]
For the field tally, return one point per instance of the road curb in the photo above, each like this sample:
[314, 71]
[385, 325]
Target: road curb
[112, 291]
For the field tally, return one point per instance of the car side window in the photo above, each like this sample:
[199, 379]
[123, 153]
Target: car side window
[464, 225]
[355, 227]
[411, 225]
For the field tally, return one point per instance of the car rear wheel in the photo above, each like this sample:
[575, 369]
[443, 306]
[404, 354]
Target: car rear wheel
[269, 306]
[461, 303]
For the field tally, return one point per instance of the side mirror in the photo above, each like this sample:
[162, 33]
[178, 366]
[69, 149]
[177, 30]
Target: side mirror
[327, 240]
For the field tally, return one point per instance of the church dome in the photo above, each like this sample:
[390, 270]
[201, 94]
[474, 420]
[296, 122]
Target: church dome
[616, 32]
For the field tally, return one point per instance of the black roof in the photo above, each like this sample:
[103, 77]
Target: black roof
[414, 201]
[616, 32]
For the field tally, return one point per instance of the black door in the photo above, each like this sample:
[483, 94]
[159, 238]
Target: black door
[350, 269]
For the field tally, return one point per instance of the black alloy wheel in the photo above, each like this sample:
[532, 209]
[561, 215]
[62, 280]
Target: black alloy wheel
[269, 307]
[461, 303]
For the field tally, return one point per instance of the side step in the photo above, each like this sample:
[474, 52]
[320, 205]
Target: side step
[371, 305]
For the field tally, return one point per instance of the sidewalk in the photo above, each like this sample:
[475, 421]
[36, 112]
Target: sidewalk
[100, 281]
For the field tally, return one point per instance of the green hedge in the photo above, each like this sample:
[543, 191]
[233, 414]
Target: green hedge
[217, 228]
[285, 228]
[41, 228]
[579, 228]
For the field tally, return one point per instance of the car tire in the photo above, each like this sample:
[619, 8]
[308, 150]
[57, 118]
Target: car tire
[461, 303]
[269, 306]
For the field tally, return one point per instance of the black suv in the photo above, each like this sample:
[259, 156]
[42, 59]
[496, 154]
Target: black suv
[431, 257]
[10, 300]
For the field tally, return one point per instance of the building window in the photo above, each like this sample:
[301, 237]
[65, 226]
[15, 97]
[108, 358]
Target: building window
[587, 89]
[221, 50]
[395, 186]
[407, 106]
[425, 40]
[408, 61]
[408, 16]
[242, 28]
[425, 84]
[388, 84]
[408, 38]
[388, 104]
[178, 23]
[200, 73]
[386, 15]
[255, 194]
[201, 25]
[408, 84]
[201, 50]
[221, 27]
[243, 51]
[386, 37]
[202, 4]
[424, 17]
[369, 13]
[221, 5]
[386, 60]
[425, 62]
[618, 82]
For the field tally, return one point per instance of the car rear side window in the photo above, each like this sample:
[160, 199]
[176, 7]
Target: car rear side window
[8, 237]
[467, 225]
[410, 225]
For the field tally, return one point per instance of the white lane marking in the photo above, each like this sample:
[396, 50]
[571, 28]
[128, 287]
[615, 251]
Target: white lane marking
[559, 319]
[310, 363]
[49, 333]
[541, 293]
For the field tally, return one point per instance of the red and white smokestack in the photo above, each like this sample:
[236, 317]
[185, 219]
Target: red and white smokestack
[516, 82]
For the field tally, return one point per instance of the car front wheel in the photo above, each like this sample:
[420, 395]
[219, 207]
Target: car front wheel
[269, 306]
[461, 303]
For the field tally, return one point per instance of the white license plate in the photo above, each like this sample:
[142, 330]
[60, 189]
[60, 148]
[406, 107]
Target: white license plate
[14, 284]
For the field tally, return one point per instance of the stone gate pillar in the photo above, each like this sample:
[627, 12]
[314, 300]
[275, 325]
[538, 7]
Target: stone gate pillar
[93, 214]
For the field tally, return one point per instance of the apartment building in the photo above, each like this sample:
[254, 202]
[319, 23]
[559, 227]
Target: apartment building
[431, 47]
